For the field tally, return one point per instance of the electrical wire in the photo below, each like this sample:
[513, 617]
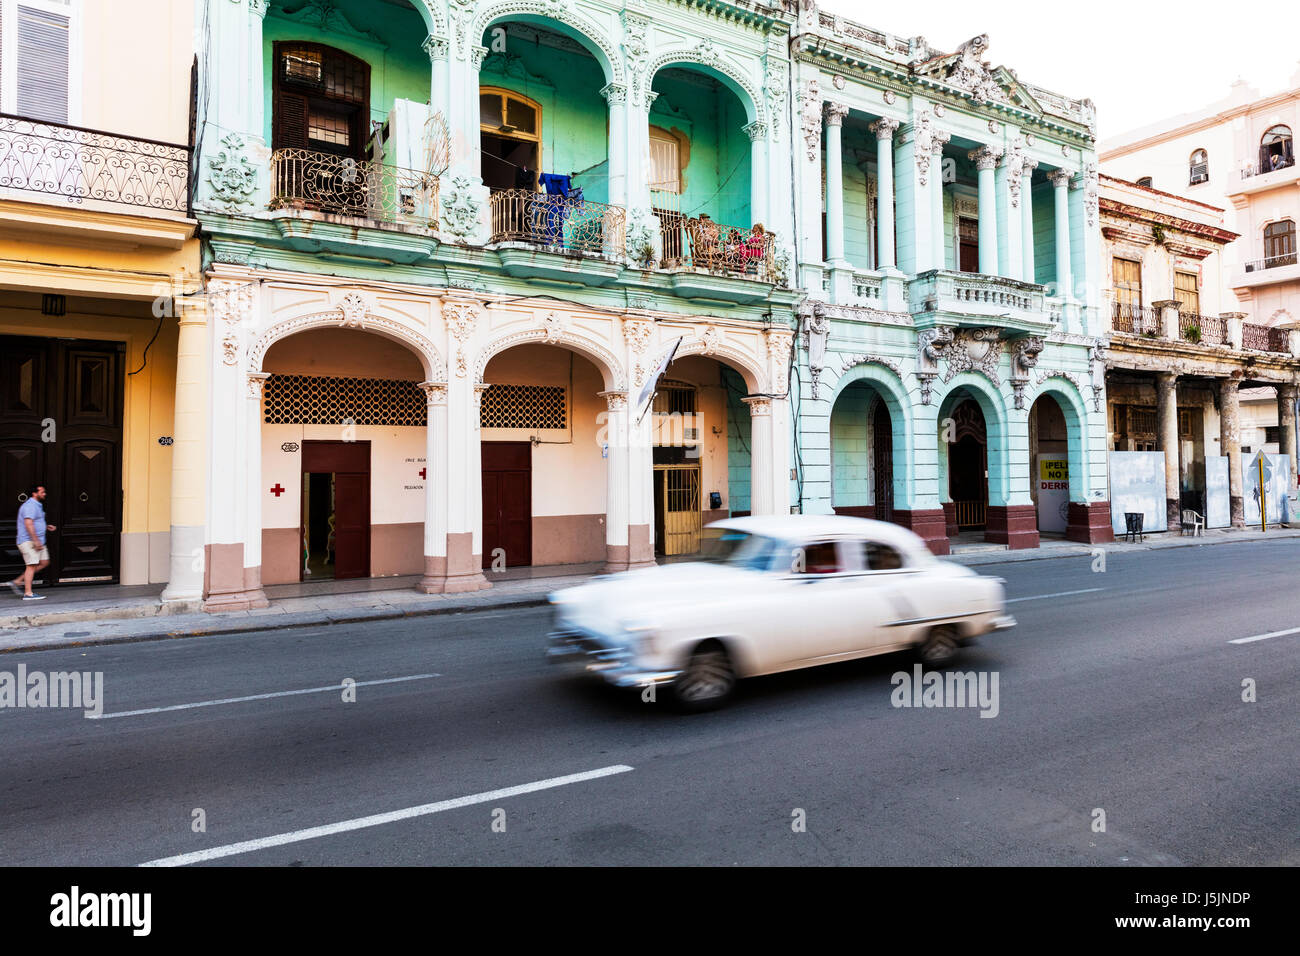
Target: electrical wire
[144, 359]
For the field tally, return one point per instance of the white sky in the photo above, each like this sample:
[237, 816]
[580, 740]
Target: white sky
[1139, 60]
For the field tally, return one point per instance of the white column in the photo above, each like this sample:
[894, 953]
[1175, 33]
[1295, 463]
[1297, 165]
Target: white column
[1010, 250]
[253, 489]
[435, 489]
[1027, 219]
[939, 254]
[834, 113]
[1060, 179]
[616, 148]
[617, 485]
[884, 130]
[189, 459]
[985, 159]
[463, 452]
[762, 496]
[757, 133]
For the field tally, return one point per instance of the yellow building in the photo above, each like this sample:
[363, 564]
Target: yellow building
[97, 251]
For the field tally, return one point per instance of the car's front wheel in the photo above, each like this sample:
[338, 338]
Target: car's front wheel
[940, 646]
[707, 680]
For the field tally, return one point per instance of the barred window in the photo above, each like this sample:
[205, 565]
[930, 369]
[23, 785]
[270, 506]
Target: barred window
[524, 406]
[323, 400]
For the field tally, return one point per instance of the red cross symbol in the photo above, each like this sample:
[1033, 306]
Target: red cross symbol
[422, 472]
[277, 490]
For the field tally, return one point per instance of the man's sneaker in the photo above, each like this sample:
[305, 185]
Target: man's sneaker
[33, 597]
[16, 588]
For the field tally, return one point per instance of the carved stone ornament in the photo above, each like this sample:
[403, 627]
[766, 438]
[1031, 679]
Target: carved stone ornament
[461, 318]
[974, 350]
[435, 393]
[969, 72]
[931, 345]
[817, 331]
[759, 405]
[554, 326]
[891, 98]
[926, 382]
[923, 145]
[636, 49]
[256, 381]
[460, 210]
[776, 92]
[353, 308]
[1024, 355]
[811, 119]
[1090, 193]
[230, 350]
[230, 303]
[711, 338]
[232, 177]
[884, 128]
[1014, 161]
[986, 157]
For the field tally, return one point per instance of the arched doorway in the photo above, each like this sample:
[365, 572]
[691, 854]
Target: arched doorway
[344, 445]
[862, 454]
[702, 452]
[1049, 466]
[968, 462]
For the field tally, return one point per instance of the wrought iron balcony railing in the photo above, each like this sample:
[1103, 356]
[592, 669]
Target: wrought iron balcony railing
[1271, 262]
[1203, 329]
[1272, 165]
[1261, 338]
[1134, 319]
[79, 164]
[342, 186]
[701, 243]
[557, 222]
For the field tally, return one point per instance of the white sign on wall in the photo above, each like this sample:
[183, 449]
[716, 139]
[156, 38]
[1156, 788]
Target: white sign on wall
[1053, 493]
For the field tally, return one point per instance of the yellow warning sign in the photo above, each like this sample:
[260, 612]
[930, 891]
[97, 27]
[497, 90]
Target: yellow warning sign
[1053, 469]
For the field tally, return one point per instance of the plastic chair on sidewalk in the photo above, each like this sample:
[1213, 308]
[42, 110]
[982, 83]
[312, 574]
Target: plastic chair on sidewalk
[1193, 520]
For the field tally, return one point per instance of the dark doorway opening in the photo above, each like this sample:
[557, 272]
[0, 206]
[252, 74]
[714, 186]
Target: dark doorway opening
[968, 483]
[335, 529]
[61, 424]
[882, 443]
[507, 504]
[968, 244]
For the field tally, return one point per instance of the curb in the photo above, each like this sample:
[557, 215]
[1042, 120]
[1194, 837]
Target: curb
[260, 624]
[1036, 555]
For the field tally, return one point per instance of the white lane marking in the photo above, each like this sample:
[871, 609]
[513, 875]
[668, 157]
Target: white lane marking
[378, 819]
[240, 700]
[1265, 637]
[1041, 597]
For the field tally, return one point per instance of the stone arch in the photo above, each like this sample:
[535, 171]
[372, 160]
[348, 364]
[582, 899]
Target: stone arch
[994, 409]
[555, 14]
[888, 385]
[611, 369]
[750, 369]
[1280, 318]
[714, 64]
[1066, 394]
[435, 369]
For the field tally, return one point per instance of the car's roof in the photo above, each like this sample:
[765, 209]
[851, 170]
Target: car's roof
[813, 526]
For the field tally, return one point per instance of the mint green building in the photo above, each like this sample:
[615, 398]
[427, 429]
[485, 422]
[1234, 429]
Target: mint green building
[451, 245]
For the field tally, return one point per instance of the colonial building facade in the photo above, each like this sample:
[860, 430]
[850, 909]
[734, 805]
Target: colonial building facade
[948, 240]
[97, 253]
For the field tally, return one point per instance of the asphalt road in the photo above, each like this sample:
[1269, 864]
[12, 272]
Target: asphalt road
[1126, 698]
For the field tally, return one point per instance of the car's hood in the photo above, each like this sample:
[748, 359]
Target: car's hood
[646, 596]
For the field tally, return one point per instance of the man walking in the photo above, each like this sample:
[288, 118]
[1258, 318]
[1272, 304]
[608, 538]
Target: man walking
[31, 542]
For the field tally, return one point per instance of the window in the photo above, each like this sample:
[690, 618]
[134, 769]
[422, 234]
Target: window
[1275, 149]
[1187, 292]
[322, 98]
[1198, 168]
[881, 557]
[1127, 281]
[819, 557]
[665, 161]
[43, 45]
[510, 128]
[1145, 181]
[1279, 244]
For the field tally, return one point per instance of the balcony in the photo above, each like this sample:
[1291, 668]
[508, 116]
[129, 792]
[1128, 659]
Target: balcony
[1261, 177]
[302, 179]
[1202, 329]
[557, 223]
[1268, 270]
[979, 300]
[81, 165]
[1261, 338]
[702, 245]
[1134, 319]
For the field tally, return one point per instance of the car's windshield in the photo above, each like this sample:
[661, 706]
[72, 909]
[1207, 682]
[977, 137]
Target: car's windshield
[736, 548]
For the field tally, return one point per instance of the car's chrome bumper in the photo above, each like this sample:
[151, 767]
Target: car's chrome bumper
[580, 653]
[1003, 623]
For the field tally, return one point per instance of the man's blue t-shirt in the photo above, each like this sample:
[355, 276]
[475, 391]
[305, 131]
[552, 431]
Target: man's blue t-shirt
[31, 508]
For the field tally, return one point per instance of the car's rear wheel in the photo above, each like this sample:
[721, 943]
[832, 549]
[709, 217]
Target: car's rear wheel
[940, 646]
[707, 680]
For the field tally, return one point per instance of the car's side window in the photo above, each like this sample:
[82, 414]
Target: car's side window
[816, 557]
[882, 557]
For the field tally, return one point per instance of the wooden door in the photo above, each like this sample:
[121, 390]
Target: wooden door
[61, 425]
[508, 503]
[968, 245]
[883, 449]
[351, 525]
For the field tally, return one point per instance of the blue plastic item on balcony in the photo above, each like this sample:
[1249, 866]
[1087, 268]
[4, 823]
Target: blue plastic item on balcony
[554, 207]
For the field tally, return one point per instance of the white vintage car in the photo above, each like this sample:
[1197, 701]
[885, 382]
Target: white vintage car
[771, 594]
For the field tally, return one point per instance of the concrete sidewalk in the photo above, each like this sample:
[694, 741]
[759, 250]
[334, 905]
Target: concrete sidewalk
[117, 615]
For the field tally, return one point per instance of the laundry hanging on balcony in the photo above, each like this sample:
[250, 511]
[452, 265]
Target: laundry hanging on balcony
[561, 199]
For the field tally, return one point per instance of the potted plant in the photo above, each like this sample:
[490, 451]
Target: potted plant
[1192, 333]
[644, 254]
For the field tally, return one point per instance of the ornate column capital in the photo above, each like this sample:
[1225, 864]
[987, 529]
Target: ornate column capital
[257, 8]
[614, 93]
[615, 400]
[756, 131]
[884, 128]
[1029, 165]
[986, 157]
[438, 48]
[834, 113]
[1060, 178]
[477, 54]
[938, 140]
[435, 393]
[759, 405]
[256, 382]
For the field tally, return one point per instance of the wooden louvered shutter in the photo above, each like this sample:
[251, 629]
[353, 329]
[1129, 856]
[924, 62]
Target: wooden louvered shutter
[290, 121]
[42, 68]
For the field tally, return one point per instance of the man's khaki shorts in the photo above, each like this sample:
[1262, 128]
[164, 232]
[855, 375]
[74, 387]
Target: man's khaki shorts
[32, 554]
